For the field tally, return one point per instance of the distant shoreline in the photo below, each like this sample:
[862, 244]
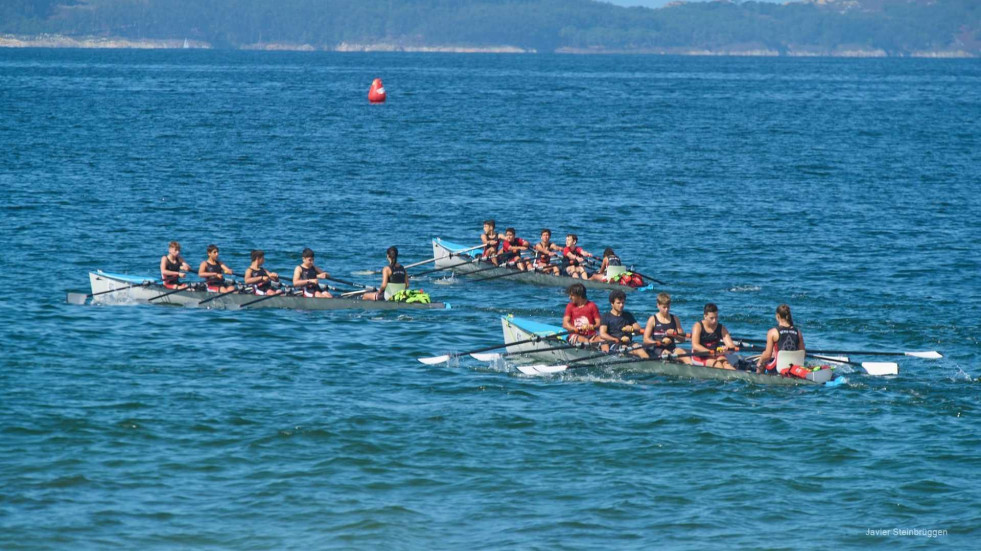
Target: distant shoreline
[119, 43]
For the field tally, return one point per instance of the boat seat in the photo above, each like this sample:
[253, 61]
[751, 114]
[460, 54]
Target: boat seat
[613, 271]
[393, 289]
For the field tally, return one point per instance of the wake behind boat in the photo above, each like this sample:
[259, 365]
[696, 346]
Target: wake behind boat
[110, 288]
[465, 261]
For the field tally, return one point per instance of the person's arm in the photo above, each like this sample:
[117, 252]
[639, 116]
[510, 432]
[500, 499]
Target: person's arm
[605, 335]
[225, 268]
[679, 334]
[201, 271]
[772, 336]
[321, 274]
[249, 279]
[164, 272]
[649, 331]
[297, 282]
[387, 273]
[696, 339]
[185, 267]
[727, 339]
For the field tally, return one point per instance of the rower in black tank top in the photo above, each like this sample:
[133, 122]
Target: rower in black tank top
[309, 273]
[660, 328]
[214, 281]
[263, 286]
[711, 340]
[789, 338]
[398, 274]
[172, 266]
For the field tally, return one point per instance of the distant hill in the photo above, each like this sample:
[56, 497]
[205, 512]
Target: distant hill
[818, 27]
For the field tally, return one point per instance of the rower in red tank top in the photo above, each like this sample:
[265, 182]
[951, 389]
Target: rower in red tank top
[582, 316]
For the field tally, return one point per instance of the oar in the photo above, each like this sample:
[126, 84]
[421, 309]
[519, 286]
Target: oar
[493, 356]
[872, 368]
[260, 299]
[476, 260]
[357, 293]
[511, 272]
[167, 294]
[446, 357]
[218, 295]
[545, 369]
[648, 278]
[80, 298]
[927, 355]
[433, 259]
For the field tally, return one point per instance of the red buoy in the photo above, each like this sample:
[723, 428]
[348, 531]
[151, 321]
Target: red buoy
[377, 92]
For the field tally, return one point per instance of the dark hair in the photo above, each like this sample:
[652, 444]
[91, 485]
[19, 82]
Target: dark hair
[577, 290]
[393, 254]
[608, 252]
[490, 222]
[784, 312]
[212, 247]
[307, 253]
[573, 236]
[257, 254]
[511, 230]
[545, 230]
[175, 245]
[710, 307]
[617, 294]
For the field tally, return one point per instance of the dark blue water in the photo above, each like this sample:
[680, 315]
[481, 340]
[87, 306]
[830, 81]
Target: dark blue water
[846, 188]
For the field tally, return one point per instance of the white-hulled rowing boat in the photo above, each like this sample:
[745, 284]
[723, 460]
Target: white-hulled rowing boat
[449, 255]
[142, 289]
[517, 329]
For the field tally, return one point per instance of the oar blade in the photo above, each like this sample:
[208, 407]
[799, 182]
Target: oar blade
[541, 369]
[880, 368]
[433, 360]
[929, 355]
[76, 298]
[489, 357]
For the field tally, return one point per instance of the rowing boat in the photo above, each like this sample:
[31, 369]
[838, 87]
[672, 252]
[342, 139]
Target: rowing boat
[109, 288]
[518, 329]
[459, 260]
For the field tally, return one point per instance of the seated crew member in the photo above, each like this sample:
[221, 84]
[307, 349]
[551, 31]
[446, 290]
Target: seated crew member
[173, 267]
[512, 247]
[213, 271]
[492, 242]
[618, 327]
[573, 258]
[782, 337]
[259, 278]
[664, 331]
[710, 340]
[610, 258]
[394, 278]
[544, 251]
[582, 317]
[306, 276]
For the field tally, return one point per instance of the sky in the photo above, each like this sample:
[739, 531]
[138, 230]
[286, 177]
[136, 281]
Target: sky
[659, 3]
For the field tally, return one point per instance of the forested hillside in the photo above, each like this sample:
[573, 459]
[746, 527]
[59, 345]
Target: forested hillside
[893, 27]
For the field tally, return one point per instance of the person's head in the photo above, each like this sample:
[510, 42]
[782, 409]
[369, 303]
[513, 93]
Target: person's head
[393, 254]
[608, 252]
[710, 313]
[664, 302]
[571, 240]
[577, 293]
[307, 255]
[783, 313]
[174, 248]
[258, 255]
[546, 235]
[489, 226]
[617, 299]
[510, 233]
[213, 251]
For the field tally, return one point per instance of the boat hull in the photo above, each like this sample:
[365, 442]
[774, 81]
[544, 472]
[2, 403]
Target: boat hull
[516, 329]
[148, 288]
[467, 263]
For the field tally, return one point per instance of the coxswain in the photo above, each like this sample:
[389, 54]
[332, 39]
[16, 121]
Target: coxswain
[394, 278]
[492, 242]
[582, 317]
[512, 247]
[663, 331]
[213, 271]
[573, 257]
[710, 340]
[544, 251]
[783, 337]
[610, 267]
[618, 328]
[306, 276]
[259, 278]
[173, 267]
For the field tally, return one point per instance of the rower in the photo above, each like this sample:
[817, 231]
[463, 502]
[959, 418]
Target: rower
[492, 242]
[710, 340]
[664, 331]
[173, 267]
[618, 327]
[573, 257]
[782, 338]
[306, 276]
[544, 251]
[394, 278]
[213, 271]
[512, 247]
[610, 267]
[582, 317]
[259, 278]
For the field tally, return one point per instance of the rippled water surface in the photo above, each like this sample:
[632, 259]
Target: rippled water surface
[846, 188]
